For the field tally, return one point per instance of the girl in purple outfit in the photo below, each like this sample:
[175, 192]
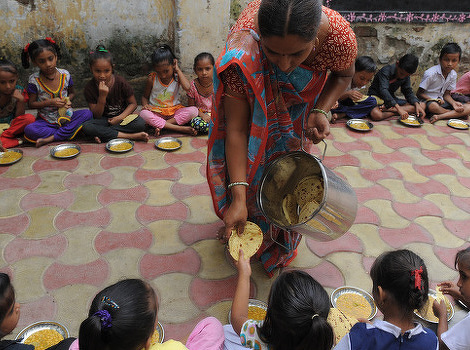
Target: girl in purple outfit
[50, 92]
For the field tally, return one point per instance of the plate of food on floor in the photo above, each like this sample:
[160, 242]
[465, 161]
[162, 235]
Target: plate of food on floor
[354, 302]
[65, 151]
[360, 125]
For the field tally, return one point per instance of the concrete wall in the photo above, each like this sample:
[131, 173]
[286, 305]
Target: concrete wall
[131, 29]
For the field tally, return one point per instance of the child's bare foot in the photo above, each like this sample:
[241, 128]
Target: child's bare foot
[139, 136]
[41, 142]
[97, 139]
[334, 116]
[434, 119]
[189, 130]
[157, 132]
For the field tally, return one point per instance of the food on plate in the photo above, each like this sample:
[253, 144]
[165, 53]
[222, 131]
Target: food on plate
[249, 241]
[360, 125]
[120, 147]
[44, 339]
[155, 338]
[66, 152]
[256, 313]
[354, 305]
[340, 322]
[169, 145]
[9, 157]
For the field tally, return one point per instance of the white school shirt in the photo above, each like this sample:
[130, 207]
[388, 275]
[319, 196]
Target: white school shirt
[458, 336]
[435, 85]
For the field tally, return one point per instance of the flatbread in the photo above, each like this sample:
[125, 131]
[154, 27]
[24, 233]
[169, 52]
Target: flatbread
[309, 189]
[289, 208]
[307, 210]
[249, 241]
[340, 322]
[128, 119]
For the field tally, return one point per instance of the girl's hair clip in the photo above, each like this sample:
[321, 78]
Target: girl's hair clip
[26, 48]
[50, 40]
[102, 50]
[107, 301]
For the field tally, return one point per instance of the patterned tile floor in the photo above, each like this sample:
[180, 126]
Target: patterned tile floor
[70, 228]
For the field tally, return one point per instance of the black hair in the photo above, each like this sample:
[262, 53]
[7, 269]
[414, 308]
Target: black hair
[100, 53]
[365, 63]
[463, 257]
[450, 48]
[298, 307]
[202, 56]
[290, 17]
[132, 307]
[163, 54]
[403, 274]
[8, 66]
[409, 63]
[7, 297]
[32, 50]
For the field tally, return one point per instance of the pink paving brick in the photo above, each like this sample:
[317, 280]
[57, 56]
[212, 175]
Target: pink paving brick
[55, 164]
[346, 243]
[173, 158]
[187, 261]
[388, 158]
[19, 248]
[374, 192]
[367, 262]
[398, 238]
[434, 169]
[138, 194]
[429, 187]
[197, 142]
[110, 162]
[68, 219]
[93, 148]
[148, 213]
[400, 143]
[380, 174]
[60, 275]
[460, 228]
[106, 241]
[75, 180]
[27, 183]
[344, 160]
[34, 200]
[204, 292]
[14, 225]
[440, 154]
[447, 255]
[354, 145]
[366, 216]
[182, 191]
[192, 233]
[405, 130]
[411, 211]
[465, 181]
[327, 274]
[144, 175]
[446, 140]
[44, 308]
[463, 203]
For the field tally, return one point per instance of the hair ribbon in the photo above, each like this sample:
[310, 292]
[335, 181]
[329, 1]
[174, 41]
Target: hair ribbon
[50, 40]
[26, 48]
[417, 274]
[105, 318]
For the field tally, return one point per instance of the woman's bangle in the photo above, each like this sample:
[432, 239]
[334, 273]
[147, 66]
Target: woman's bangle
[238, 183]
[318, 110]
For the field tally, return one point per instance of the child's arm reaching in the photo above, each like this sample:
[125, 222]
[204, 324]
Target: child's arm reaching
[183, 81]
[440, 310]
[451, 289]
[239, 314]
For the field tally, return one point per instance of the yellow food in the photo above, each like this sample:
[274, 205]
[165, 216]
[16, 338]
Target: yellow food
[457, 124]
[426, 311]
[64, 153]
[340, 323]
[155, 338]
[44, 339]
[9, 157]
[169, 145]
[256, 313]
[360, 126]
[354, 305]
[411, 121]
[124, 146]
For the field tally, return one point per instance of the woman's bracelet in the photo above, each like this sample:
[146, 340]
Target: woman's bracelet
[318, 110]
[238, 183]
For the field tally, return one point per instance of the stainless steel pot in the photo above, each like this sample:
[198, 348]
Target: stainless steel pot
[337, 210]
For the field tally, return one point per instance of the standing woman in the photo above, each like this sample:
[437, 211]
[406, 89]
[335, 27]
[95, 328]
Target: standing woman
[272, 79]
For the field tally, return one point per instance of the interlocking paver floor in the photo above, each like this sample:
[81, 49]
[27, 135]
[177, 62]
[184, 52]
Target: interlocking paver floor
[70, 228]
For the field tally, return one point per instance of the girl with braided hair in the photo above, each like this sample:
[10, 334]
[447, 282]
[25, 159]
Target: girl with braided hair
[400, 285]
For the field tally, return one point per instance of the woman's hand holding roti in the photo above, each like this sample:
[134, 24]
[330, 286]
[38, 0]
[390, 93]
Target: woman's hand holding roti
[235, 218]
[318, 127]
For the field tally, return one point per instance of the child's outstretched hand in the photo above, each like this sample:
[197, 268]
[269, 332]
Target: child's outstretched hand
[451, 289]
[439, 309]
[243, 265]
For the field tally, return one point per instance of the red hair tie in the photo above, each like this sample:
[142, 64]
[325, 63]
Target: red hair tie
[26, 48]
[50, 40]
[417, 273]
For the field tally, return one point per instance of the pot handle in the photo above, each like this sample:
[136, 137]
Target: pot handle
[303, 149]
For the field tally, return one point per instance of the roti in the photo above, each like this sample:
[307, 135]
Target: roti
[309, 189]
[249, 242]
[340, 322]
[289, 208]
[307, 210]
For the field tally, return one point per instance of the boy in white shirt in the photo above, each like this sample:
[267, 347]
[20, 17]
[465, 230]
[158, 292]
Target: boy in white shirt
[437, 84]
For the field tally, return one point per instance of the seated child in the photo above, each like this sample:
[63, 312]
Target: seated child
[399, 286]
[161, 106]
[462, 90]
[9, 315]
[353, 104]
[112, 100]
[202, 91]
[437, 83]
[123, 316]
[387, 81]
[296, 317]
[12, 106]
[457, 337]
